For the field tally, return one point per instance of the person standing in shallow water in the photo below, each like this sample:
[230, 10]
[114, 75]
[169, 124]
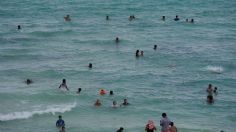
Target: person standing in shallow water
[164, 123]
[63, 84]
[155, 47]
[60, 122]
[18, 27]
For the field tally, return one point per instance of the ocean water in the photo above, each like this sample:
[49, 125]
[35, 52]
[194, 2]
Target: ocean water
[172, 79]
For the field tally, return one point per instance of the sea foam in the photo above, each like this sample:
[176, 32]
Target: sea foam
[215, 69]
[27, 114]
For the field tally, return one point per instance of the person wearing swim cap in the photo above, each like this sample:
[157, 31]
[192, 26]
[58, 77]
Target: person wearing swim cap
[150, 127]
[60, 122]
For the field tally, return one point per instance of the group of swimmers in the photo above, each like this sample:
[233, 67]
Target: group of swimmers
[165, 123]
[210, 92]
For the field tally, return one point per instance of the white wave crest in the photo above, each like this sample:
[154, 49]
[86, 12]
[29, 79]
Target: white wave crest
[27, 114]
[215, 69]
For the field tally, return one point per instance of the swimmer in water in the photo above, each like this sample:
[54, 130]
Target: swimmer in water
[90, 65]
[114, 104]
[97, 103]
[163, 18]
[150, 127]
[209, 89]
[120, 130]
[67, 18]
[125, 102]
[192, 21]
[186, 20]
[111, 92]
[176, 18]
[107, 17]
[155, 47]
[117, 40]
[137, 53]
[79, 90]
[210, 99]
[215, 90]
[141, 53]
[172, 127]
[18, 27]
[28, 81]
[63, 84]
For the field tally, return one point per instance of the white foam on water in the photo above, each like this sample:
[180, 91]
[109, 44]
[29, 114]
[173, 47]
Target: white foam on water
[27, 114]
[215, 69]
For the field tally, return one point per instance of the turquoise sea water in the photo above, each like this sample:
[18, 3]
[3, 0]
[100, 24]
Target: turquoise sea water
[172, 79]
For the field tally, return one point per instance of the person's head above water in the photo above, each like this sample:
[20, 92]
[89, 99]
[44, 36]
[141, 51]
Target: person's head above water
[107, 17]
[28, 81]
[117, 39]
[64, 81]
[155, 47]
[59, 116]
[163, 18]
[18, 27]
[164, 115]
[90, 65]
[111, 92]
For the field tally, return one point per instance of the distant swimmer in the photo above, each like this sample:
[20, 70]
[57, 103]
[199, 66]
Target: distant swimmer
[150, 127]
[60, 122]
[28, 81]
[63, 84]
[114, 104]
[107, 18]
[137, 53]
[125, 102]
[18, 27]
[63, 129]
[210, 99]
[163, 18]
[172, 127]
[209, 89]
[90, 65]
[117, 40]
[186, 20]
[120, 130]
[79, 90]
[132, 17]
[155, 47]
[176, 18]
[67, 18]
[192, 21]
[102, 92]
[215, 90]
[111, 93]
[141, 54]
[97, 103]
